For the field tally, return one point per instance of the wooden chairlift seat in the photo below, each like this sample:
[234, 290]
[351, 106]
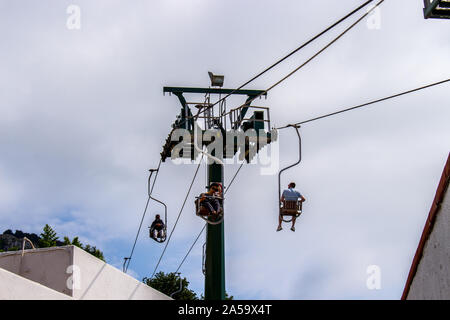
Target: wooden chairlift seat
[291, 208]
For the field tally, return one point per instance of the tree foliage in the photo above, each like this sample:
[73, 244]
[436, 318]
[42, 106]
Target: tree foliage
[169, 284]
[227, 297]
[48, 237]
[92, 250]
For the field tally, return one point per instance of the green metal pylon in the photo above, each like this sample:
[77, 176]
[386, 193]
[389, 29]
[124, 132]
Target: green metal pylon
[215, 248]
[215, 243]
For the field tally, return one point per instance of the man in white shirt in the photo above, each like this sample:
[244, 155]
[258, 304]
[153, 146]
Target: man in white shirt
[290, 194]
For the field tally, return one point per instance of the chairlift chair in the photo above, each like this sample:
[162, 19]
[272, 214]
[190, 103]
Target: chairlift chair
[290, 208]
[204, 213]
[164, 231]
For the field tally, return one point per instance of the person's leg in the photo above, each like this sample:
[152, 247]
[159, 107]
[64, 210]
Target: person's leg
[204, 210]
[207, 204]
[293, 223]
[280, 220]
[216, 206]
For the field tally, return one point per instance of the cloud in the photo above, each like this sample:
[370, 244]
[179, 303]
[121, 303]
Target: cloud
[83, 119]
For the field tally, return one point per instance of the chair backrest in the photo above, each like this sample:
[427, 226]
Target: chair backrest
[200, 210]
[291, 204]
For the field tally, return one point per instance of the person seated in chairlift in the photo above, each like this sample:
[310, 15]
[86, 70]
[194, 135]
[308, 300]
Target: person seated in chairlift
[157, 227]
[209, 199]
[290, 194]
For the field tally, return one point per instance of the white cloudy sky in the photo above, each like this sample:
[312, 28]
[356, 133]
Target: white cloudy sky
[83, 117]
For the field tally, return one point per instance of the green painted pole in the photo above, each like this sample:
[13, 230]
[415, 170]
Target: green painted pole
[215, 248]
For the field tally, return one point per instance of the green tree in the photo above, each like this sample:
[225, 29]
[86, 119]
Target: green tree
[77, 242]
[170, 283]
[48, 237]
[92, 250]
[67, 241]
[227, 297]
[74, 242]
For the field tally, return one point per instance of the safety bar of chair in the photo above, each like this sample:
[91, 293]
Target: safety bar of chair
[197, 206]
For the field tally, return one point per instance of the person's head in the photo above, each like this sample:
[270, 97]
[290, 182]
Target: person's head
[157, 217]
[214, 187]
[291, 185]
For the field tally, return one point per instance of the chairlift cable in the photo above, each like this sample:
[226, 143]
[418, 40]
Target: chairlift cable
[204, 226]
[192, 246]
[179, 214]
[248, 102]
[366, 104]
[231, 182]
[128, 259]
[316, 54]
[290, 54]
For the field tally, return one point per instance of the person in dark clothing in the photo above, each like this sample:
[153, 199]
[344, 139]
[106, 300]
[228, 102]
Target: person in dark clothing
[157, 227]
[210, 201]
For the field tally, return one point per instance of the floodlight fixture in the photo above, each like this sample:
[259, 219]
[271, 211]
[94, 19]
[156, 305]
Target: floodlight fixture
[216, 80]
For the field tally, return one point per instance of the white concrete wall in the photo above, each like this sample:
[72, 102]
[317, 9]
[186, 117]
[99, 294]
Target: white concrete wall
[432, 279]
[46, 266]
[98, 280]
[73, 271]
[14, 287]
